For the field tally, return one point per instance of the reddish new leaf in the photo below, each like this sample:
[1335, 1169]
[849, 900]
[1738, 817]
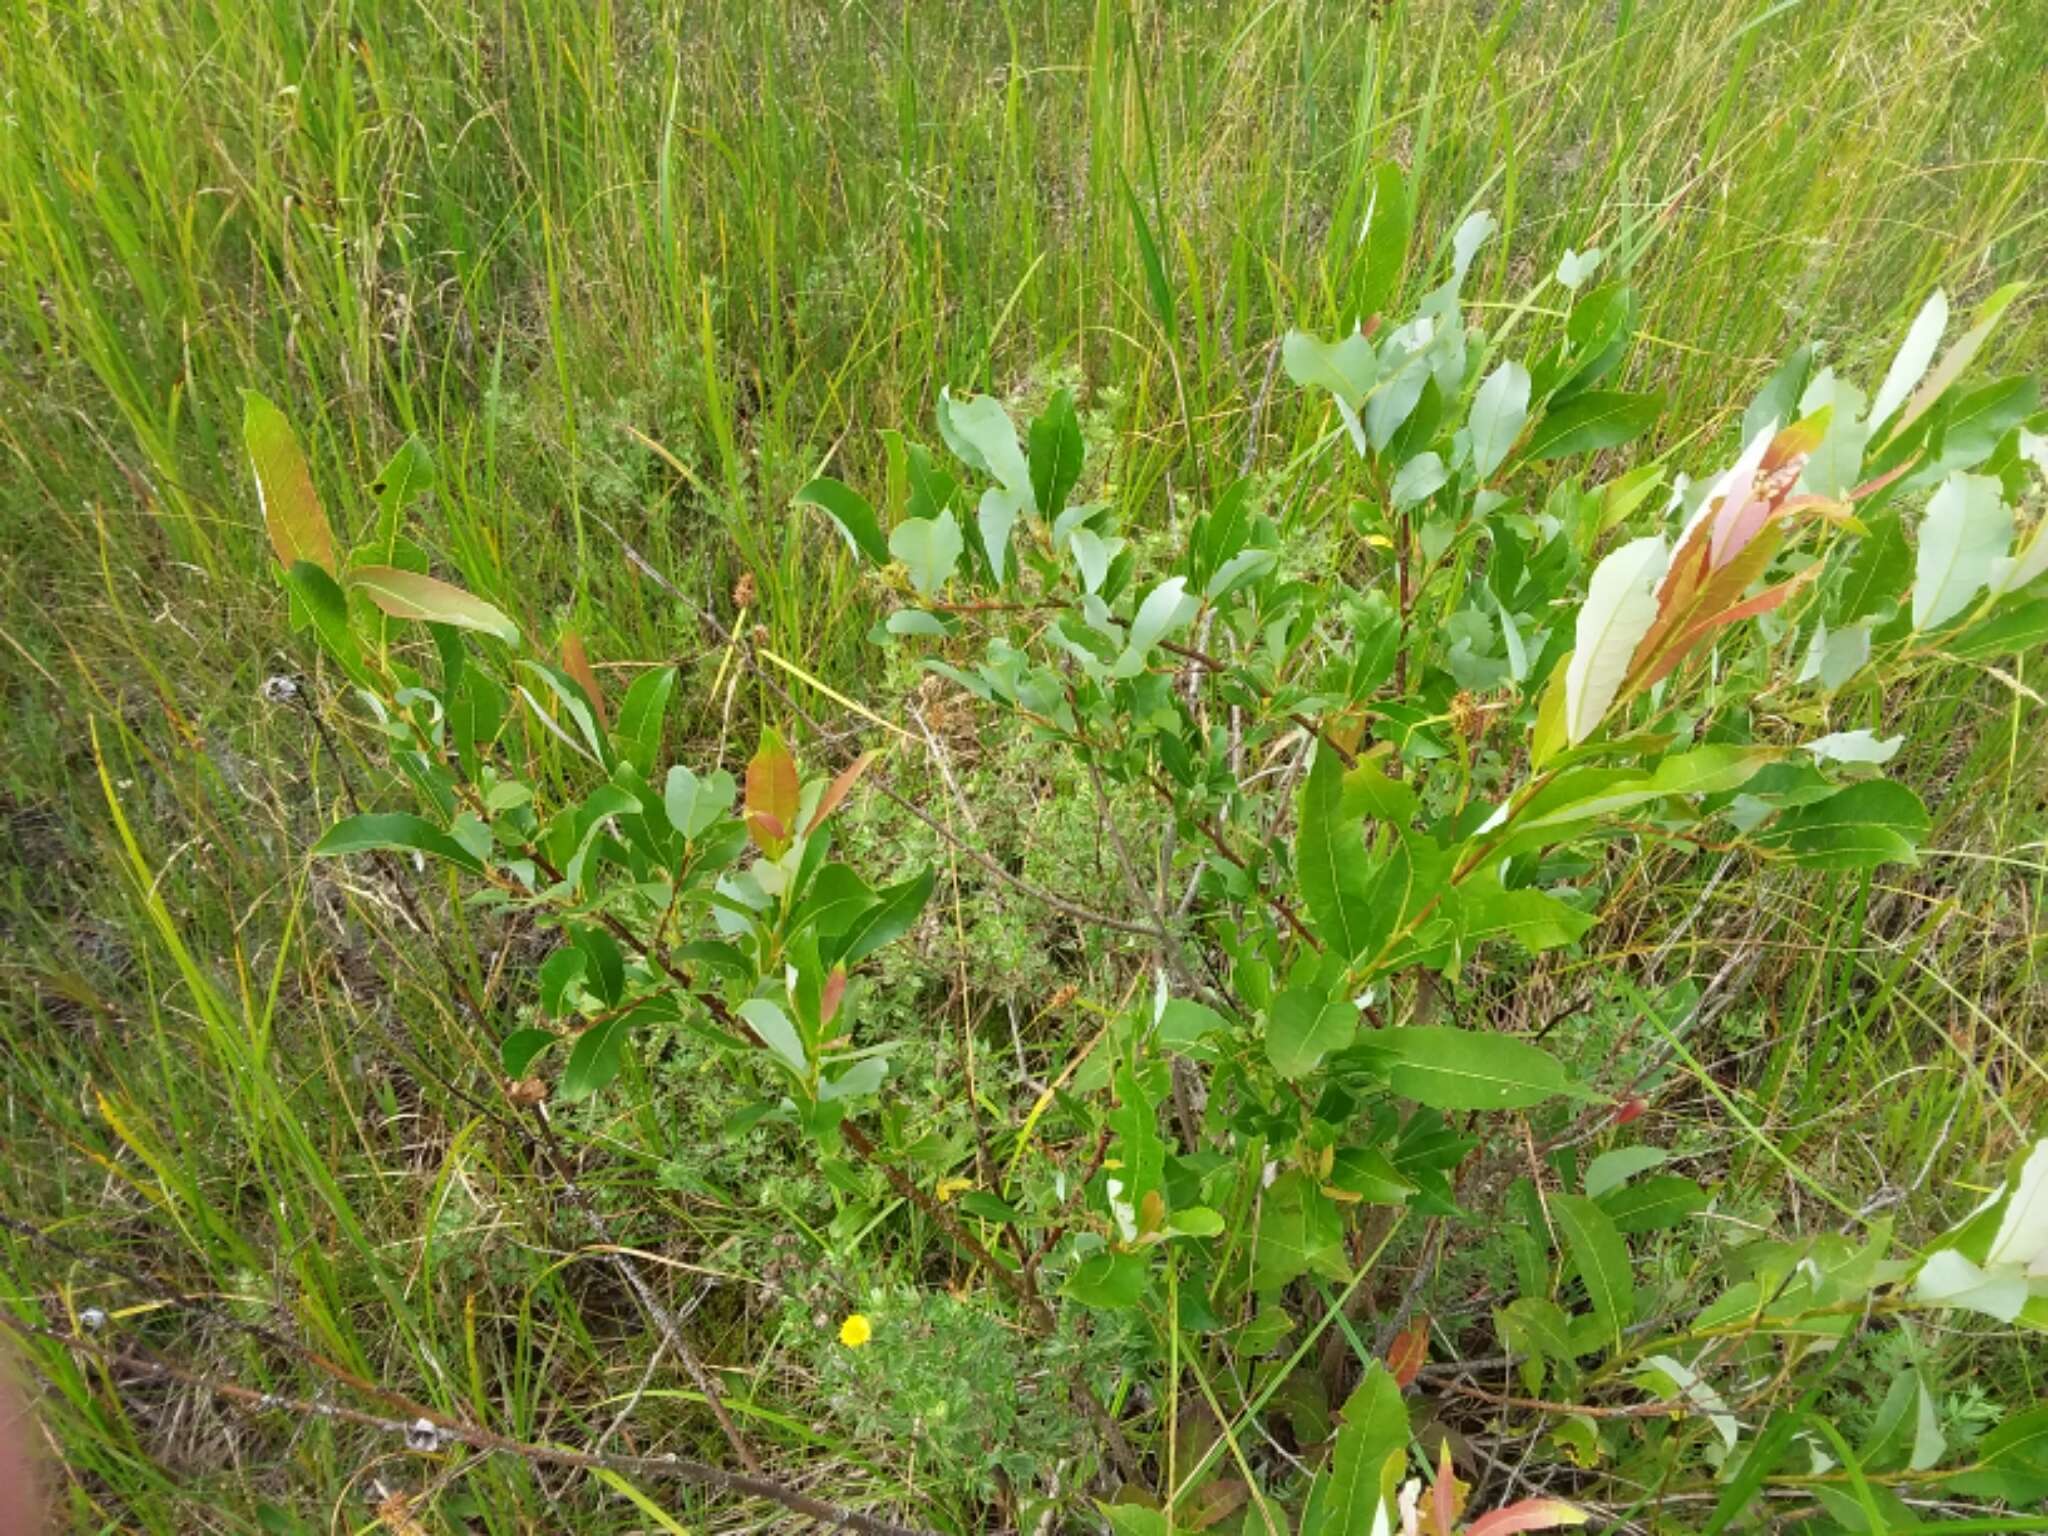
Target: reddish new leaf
[772, 792]
[1763, 602]
[1447, 1497]
[840, 788]
[291, 507]
[833, 994]
[1527, 1515]
[576, 662]
[1409, 1349]
[1695, 604]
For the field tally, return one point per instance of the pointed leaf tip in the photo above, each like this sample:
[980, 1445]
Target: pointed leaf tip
[292, 514]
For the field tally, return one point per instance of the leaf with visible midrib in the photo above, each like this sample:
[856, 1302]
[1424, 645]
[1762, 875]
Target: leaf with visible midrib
[1600, 418]
[291, 507]
[1329, 855]
[1056, 454]
[1375, 1426]
[411, 595]
[1499, 412]
[1601, 1258]
[772, 795]
[888, 919]
[1304, 1027]
[395, 831]
[1450, 1069]
[1967, 529]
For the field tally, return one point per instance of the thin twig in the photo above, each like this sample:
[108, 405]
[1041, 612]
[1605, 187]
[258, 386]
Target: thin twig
[441, 1430]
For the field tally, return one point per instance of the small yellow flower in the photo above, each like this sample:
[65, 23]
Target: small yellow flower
[948, 1188]
[856, 1331]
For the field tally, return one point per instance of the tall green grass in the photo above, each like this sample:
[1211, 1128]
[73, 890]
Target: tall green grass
[544, 236]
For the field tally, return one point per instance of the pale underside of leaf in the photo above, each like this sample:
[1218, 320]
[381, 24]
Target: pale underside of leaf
[413, 595]
[1620, 607]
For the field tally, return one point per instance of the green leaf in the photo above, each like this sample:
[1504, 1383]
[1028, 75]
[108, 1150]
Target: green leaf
[395, 831]
[519, 1048]
[1135, 1520]
[1418, 479]
[1611, 1170]
[2011, 1461]
[693, 804]
[1910, 362]
[1108, 1280]
[1596, 420]
[1967, 530]
[886, 921]
[1592, 792]
[1413, 871]
[1959, 356]
[856, 1082]
[1467, 240]
[1346, 368]
[558, 973]
[1778, 400]
[915, 621]
[1448, 1068]
[1330, 860]
[407, 475]
[929, 548]
[1601, 1258]
[1056, 454]
[327, 606]
[1300, 1232]
[606, 968]
[1868, 824]
[1499, 412]
[994, 519]
[983, 1206]
[1877, 569]
[594, 1061]
[1387, 226]
[836, 900]
[1370, 1174]
[642, 715]
[1620, 609]
[850, 511]
[1375, 1428]
[1303, 1028]
[575, 702]
[1574, 267]
[1534, 919]
[982, 436]
[2013, 627]
[777, 1033]
[291, 507]
[1185, 1028]
[1652, 1205]
[1537, 1325]
[1972, 426]
[1166, 609]
[412, 595]
[1139, 1151]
